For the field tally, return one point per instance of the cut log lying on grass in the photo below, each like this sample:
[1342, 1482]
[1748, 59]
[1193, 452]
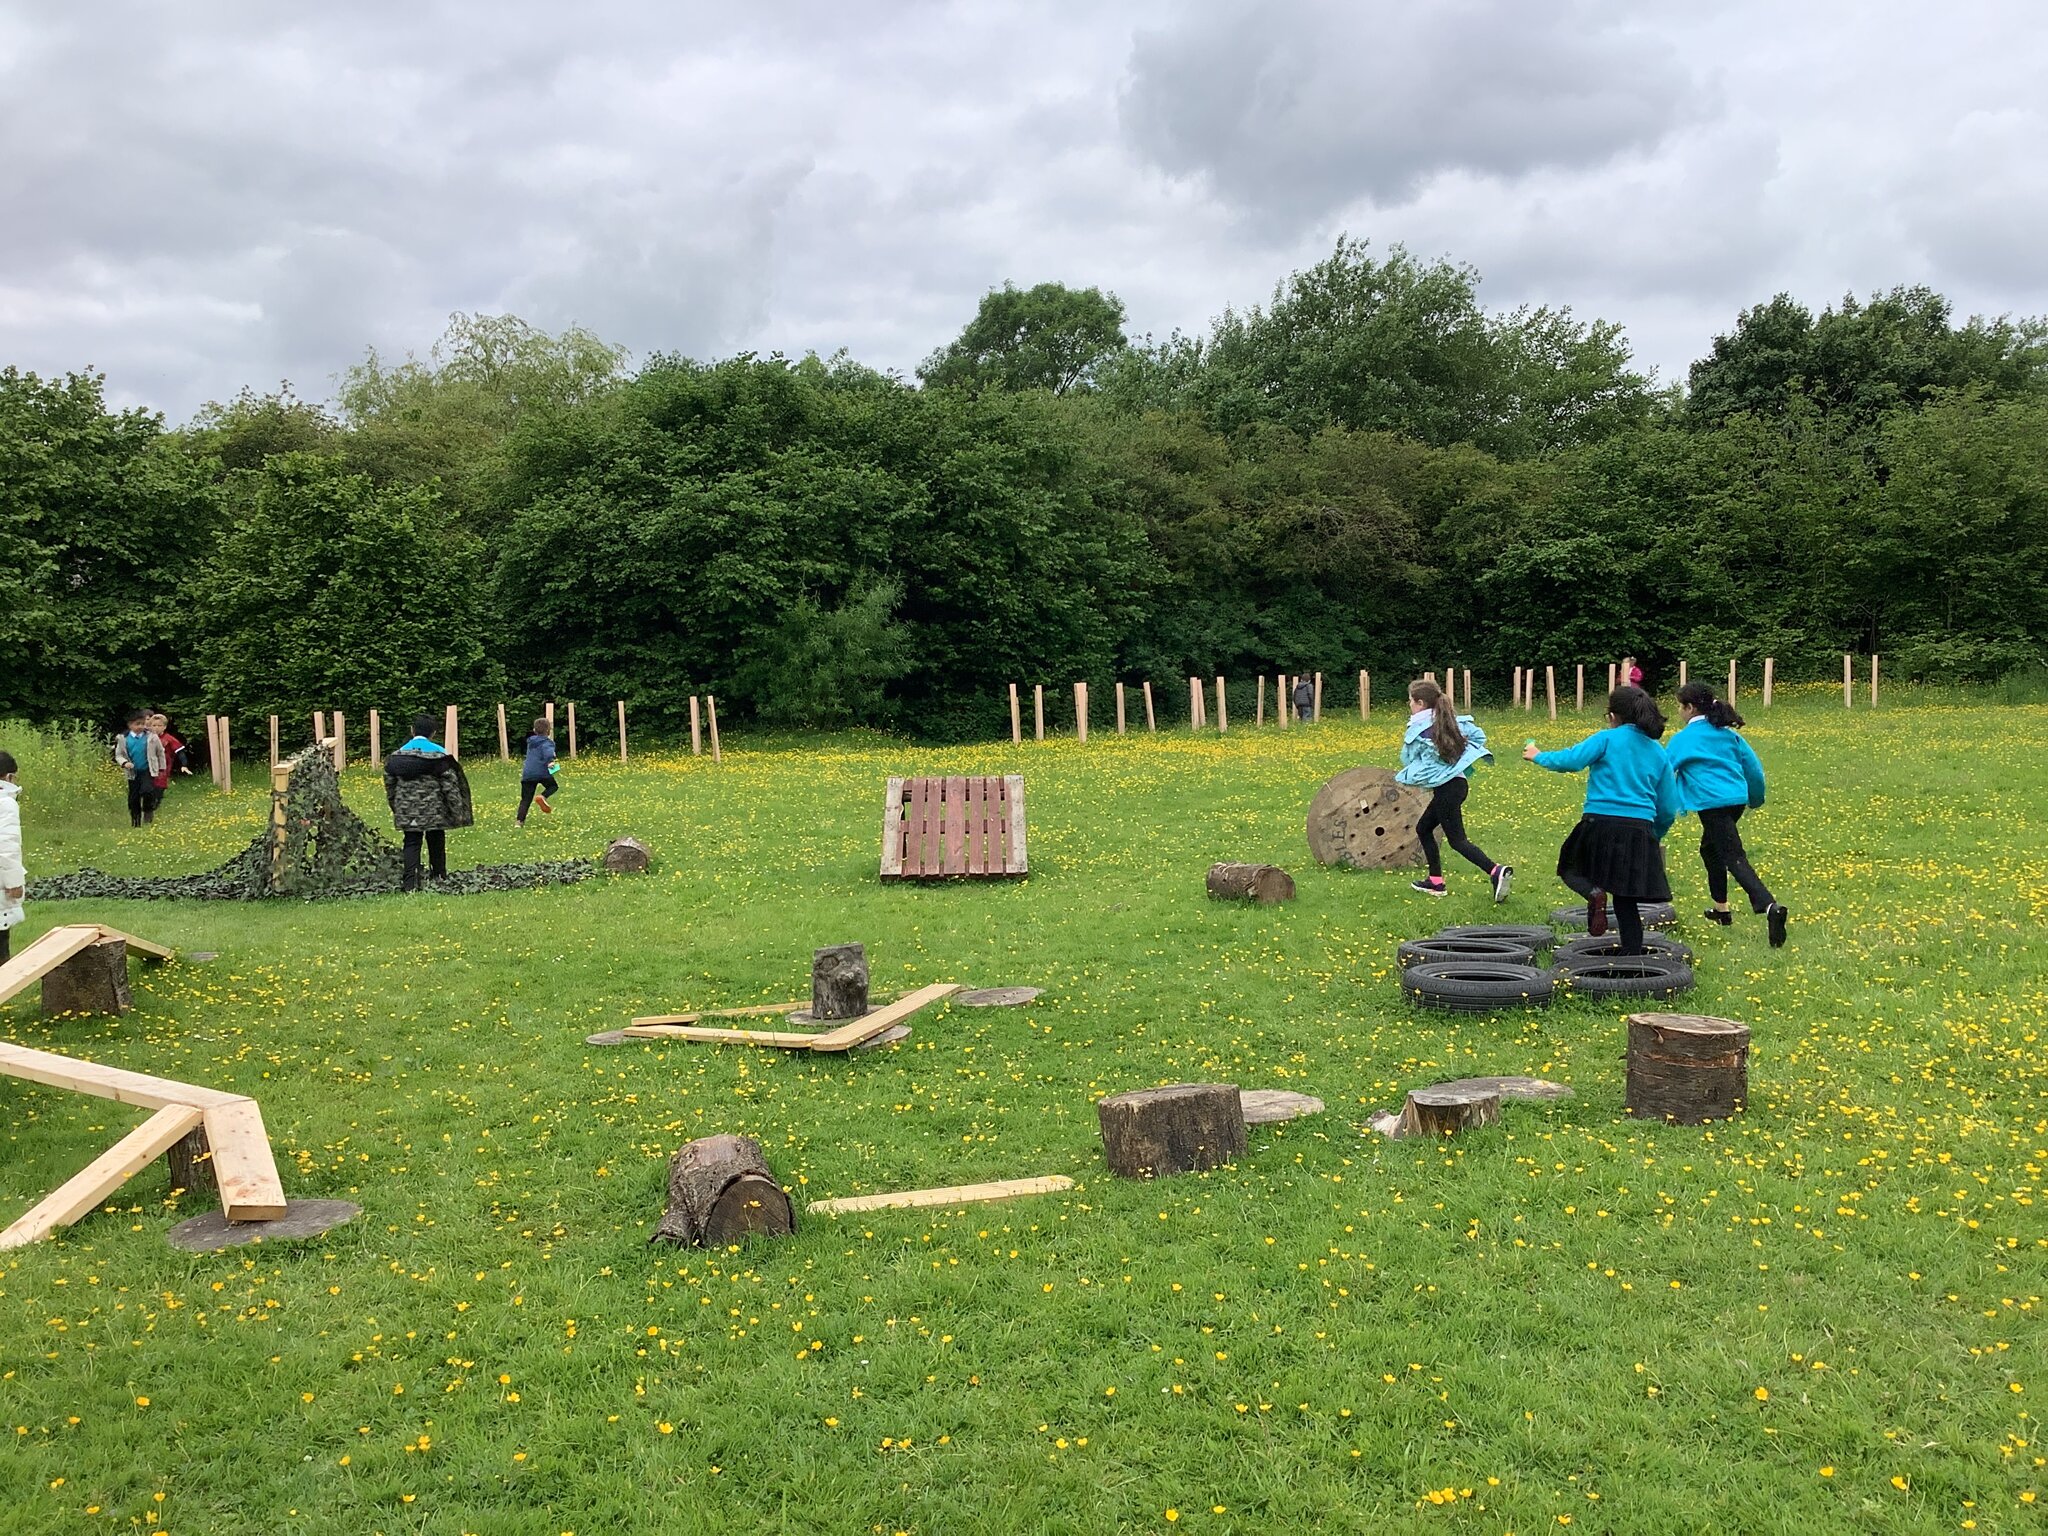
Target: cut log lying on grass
[1447, 1111]
[956, 1194]
[839, 982]
[1686, 1067]
[627, 856]
[1263, 883]
[719, 1192]
[1156, 1132]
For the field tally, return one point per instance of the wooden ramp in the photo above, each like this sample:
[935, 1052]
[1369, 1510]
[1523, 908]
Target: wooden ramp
[52, 949]
[939, 828]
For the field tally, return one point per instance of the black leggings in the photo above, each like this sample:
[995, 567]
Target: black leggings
[1722, 852]
[547, 788]
[1628, 922]
[143, 798]
[1447, 810]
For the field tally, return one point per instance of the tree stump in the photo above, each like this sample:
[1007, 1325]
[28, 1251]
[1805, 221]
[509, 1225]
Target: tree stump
[839, 982]
[1263, 883]
[1447, 1111]
[627, 856]
[720, 1191]
[1362, 818]
[1155, 1132]
[1686, 1068]
[191, 1164]
[95, 980]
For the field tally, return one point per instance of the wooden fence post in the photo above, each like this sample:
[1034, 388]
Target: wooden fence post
[1119, 708]
[1580, 706]
[504, 736]
[273, 738]
[1681, 671]
[1016, 719]
[340, 741]
[551, 719]
[1365, 695]
[1468, 690]
[711, 719]
[622, 730]
[1319, 696]
[227, 759]
[1515, 695]
[1038, 711]
[696, 729]
[213, 749]
[1259, 716]
[1222, 708]
[1731, 679]
[452, 730]
[1610, 677]
[319, 726]
[1194, 704]
[376, 741]
[1081, 711]
[1848, 681]
[572, 729]
[1873, 679]
[1150, 723]
[1770, 667]
[1550, 689]
[1284, 687]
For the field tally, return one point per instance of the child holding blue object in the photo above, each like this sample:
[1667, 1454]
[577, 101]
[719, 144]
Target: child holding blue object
[1719, 778]
[537, 779]
[1439, 750]
[1631, 800]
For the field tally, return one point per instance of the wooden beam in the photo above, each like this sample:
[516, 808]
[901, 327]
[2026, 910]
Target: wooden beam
[243, 1166]
[704, 1035]
[1013, 788]
[81, 1194]
[102, 1082]
[142, 947]
[48, 952]
[957, 1194]
[756, 1011]
[880, 1020]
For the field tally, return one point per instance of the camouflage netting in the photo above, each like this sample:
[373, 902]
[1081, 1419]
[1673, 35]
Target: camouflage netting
[314, 848]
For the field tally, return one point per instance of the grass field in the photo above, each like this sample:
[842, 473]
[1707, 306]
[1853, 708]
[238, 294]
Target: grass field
[1825, 1316]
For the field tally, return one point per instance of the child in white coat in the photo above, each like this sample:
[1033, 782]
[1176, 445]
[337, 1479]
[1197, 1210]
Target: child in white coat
[13, 876]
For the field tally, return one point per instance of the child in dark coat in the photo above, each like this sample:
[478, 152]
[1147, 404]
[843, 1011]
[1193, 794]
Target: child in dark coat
[537, 779]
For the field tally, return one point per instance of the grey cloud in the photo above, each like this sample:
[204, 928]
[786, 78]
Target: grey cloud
[1291, 110]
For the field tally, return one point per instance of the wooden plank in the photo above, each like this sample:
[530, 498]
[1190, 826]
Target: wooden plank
[976, 810]
[243, 1166]
[48, 952]
[755, 1011]
[881, 1020]
[116, 1083]
[953, 824]
[999, 827]
[143, 947]
[892, 831]
[913, 828]
[1013, 785]
[957, 1194]
[703, 1035]
[81, 1194]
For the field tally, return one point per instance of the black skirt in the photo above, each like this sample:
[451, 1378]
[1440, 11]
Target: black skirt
[1616, 854]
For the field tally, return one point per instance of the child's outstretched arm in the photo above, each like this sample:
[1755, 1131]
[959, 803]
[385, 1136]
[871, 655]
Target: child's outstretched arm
[1570, 759]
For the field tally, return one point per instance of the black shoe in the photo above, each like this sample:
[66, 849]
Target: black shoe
[1596, 915]
[1776, 914]
[1429, 887]
[1716, 915]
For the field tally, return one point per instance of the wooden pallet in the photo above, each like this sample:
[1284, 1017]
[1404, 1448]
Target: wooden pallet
[957, 827]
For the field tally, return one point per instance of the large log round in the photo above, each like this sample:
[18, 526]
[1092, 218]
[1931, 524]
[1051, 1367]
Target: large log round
[95, 980]
[1157, 1132]
[1363, 819]
[839, 982]
[1444, 1111]
[720, 1191]
[1686, 1067]
[626, 856]
[1263, 883]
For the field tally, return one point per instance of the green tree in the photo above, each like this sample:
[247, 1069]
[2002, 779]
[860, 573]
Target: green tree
[329, 590]
[251, 428]
[1048, 337]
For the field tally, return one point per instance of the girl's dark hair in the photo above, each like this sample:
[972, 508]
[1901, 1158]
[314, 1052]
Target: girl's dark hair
[424, 725]
[1632, 706]
[540, 726]
[1699, 698]
[1444, 733]
[7, 764]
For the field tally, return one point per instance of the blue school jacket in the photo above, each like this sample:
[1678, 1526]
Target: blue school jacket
[1627, 774]
[1420, 763]
[1716, 768]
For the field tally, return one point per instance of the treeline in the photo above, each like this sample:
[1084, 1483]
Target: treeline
[1369, 470]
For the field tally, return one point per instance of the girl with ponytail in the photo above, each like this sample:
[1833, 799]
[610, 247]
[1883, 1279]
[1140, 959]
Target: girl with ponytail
[1438, 750]
[1719, 778]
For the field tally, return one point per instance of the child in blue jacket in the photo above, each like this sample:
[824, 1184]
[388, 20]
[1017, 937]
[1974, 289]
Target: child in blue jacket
[1631, 800]
[537, 781]
[1719, 778]
[1438, 751]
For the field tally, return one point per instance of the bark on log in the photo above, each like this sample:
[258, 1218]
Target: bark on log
[1156, 1132]
[627, 856]
[191, 1164]
[1686, 1068]
[719, 1192]
[1364, 819]
[1264, 883]
[95, 980]
[1447, 1111]
[839, 982]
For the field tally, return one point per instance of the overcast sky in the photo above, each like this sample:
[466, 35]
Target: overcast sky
[201, 196]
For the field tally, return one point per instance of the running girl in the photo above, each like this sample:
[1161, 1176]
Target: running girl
[1631, 800]
[1438, 750]
[1719, 778]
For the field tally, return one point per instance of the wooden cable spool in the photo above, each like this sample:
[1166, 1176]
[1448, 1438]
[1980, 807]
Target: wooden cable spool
[1363, 819]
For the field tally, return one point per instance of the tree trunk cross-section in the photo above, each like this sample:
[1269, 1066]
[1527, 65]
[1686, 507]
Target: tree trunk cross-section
[839, 981]
[1686, 1068]
[1447, 1111]
[93, 981]
[720, 1191]
[1263, 883]
[1156, 1132]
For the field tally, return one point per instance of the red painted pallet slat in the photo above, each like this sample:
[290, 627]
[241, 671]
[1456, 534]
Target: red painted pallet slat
[957, 826]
